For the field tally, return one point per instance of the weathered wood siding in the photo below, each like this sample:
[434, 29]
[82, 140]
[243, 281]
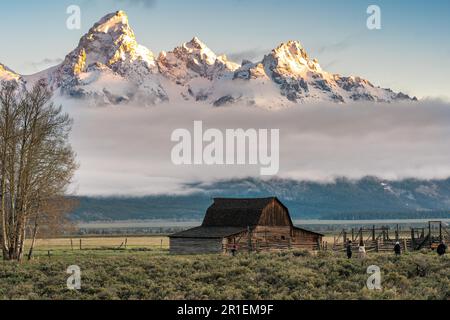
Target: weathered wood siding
[195, 246]
[274, 215]
[267, 223]
[267, 238]
[305, 239]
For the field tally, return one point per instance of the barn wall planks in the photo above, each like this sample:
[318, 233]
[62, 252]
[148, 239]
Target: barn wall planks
[274, 215]
[303, 236]
[264, 238]
[266, 223]
[195, 246]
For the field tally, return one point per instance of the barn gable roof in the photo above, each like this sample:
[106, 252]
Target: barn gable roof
[231, 216]
[236, 212]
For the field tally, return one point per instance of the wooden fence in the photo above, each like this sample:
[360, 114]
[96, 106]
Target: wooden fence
[384, 239]
[263, 246]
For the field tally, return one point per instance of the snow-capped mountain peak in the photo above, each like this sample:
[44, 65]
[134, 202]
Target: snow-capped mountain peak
[290, 58]
[110, 42]
[117, 21]
[7, 74]
[191, 60]
[110, 66]
[196, 43]
[301, 79]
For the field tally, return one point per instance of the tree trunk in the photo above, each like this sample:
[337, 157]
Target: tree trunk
[22, 241]
[33, 239]
[3, 232]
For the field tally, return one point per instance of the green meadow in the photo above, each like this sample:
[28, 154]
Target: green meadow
[152, 273]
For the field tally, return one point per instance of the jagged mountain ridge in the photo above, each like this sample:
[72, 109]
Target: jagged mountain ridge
[109, 67]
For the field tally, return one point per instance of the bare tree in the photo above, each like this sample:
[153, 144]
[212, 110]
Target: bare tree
[36, 160]
[51, 220]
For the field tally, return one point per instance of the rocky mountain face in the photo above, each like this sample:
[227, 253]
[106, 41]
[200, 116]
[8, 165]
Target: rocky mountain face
[195, 69]
[110, 67]
[301, 78]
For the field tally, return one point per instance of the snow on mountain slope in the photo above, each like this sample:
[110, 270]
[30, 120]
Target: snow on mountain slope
[110, 67]
[194, 59]
[287, 76]
[196, 68]
[301, 79]
[7, 74]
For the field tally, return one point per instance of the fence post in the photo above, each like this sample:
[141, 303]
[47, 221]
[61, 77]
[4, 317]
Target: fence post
[377, 245]
[429, 231]
[126, 241]
[71, 243]
[249, 239]
[80, 245]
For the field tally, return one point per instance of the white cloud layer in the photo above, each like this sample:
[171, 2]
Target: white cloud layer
[126, 150]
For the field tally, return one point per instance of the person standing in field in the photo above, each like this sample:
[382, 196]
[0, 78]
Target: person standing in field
[362, 251]
[349, 249]
[397, 249]
[441, 248]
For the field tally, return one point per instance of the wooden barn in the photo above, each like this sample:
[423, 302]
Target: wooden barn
[245, 225]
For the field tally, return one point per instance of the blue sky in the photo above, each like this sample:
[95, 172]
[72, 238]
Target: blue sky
[410, 53]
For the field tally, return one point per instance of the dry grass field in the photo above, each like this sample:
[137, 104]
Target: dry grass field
[67, 244]
[145, 270]
[155, 274]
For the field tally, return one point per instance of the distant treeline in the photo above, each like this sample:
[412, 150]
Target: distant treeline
[386, 215]
[142, 208]
[193, 207]
[368, 198]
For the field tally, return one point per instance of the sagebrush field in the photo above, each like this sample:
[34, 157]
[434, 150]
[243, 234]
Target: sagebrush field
[154, 274]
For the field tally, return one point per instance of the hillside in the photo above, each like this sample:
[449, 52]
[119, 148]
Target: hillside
[368, 198]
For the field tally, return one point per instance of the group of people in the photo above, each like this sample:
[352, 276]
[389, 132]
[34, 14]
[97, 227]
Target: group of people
[441, 249]
[361, 250]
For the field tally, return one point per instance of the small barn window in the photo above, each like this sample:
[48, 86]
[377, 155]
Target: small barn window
[283, 238]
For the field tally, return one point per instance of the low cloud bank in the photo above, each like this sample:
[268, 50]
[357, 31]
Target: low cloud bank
[127, 150]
